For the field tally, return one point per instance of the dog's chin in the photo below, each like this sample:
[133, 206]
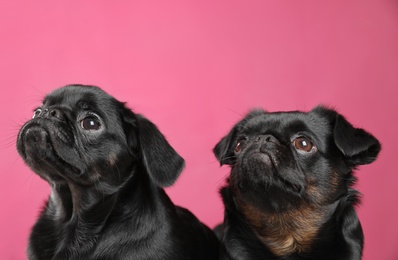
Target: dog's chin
[38, 149]
[266, 169]
[264, 178]
[267, 160]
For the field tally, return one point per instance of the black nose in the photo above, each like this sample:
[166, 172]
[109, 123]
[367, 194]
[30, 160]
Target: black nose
[267, 139]
[56, 113]
[52, 112]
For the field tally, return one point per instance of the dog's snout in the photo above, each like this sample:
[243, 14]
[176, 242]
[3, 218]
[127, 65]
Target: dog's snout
[267, 138]
[52, 113]
[36, 135]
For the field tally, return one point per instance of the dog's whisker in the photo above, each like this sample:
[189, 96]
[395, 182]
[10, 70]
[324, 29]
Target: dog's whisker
[229, 157]
[223, 179]
[214, 162]
[7, 144]
[11, 137]
[236, 112]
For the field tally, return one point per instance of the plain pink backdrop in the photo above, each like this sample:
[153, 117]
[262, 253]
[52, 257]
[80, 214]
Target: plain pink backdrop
[193, 68]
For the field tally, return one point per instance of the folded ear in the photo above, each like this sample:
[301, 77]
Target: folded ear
[356, 144]
[223, 149]
[130, 130]
[161, 161]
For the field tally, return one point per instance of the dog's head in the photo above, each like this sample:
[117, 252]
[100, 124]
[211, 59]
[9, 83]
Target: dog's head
[81, 134]
[281, 160]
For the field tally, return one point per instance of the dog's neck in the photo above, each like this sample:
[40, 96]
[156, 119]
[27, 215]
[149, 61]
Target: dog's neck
[70, 200]
[289, 232]
[73, 206]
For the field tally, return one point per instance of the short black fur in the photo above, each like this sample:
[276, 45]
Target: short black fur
[290, 191]
[107, 168]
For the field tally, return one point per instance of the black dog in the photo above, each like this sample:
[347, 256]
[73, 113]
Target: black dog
[106, 167]
[289, 194]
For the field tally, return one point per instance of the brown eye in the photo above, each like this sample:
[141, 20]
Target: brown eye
[91, 123]
[239, 145]
[304, 144]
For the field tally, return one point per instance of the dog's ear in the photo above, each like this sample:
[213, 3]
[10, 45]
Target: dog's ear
[223, 149]
[358, 146]
[130, 127]
[146, 142]
[161, 161]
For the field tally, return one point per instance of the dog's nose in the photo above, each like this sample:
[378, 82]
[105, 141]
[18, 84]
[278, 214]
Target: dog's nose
[53, 112]
[56, 113]
[267, 138]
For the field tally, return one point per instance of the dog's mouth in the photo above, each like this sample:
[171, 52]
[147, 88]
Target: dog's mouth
[46, 147]
[267, 158]
[269, 169]
[266, 162]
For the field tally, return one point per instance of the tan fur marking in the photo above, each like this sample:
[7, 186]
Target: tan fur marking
[285, 233]
[322, 196]
[112, 158]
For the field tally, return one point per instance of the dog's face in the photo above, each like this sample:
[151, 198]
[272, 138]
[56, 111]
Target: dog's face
[80, 134]
[281, 160]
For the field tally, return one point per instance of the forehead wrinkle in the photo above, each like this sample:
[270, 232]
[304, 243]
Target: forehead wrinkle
[66, 96]
[80, 98]
[54, 99]
[87, 101]
[278, 122]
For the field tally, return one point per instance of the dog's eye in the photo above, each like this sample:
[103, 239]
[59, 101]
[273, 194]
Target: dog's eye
[304, 144]
[91, 123]
[36, 113]
[239, 145]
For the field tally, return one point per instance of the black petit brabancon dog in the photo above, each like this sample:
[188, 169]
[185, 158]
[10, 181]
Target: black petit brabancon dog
[106, 167]
[289, 194]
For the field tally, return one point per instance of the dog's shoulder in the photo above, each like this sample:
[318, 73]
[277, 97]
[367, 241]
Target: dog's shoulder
[237, 237]
[44, 236]
[349, 225]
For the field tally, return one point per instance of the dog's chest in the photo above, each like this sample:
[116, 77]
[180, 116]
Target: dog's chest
[287, 233]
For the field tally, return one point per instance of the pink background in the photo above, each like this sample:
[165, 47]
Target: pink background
[193, 68]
